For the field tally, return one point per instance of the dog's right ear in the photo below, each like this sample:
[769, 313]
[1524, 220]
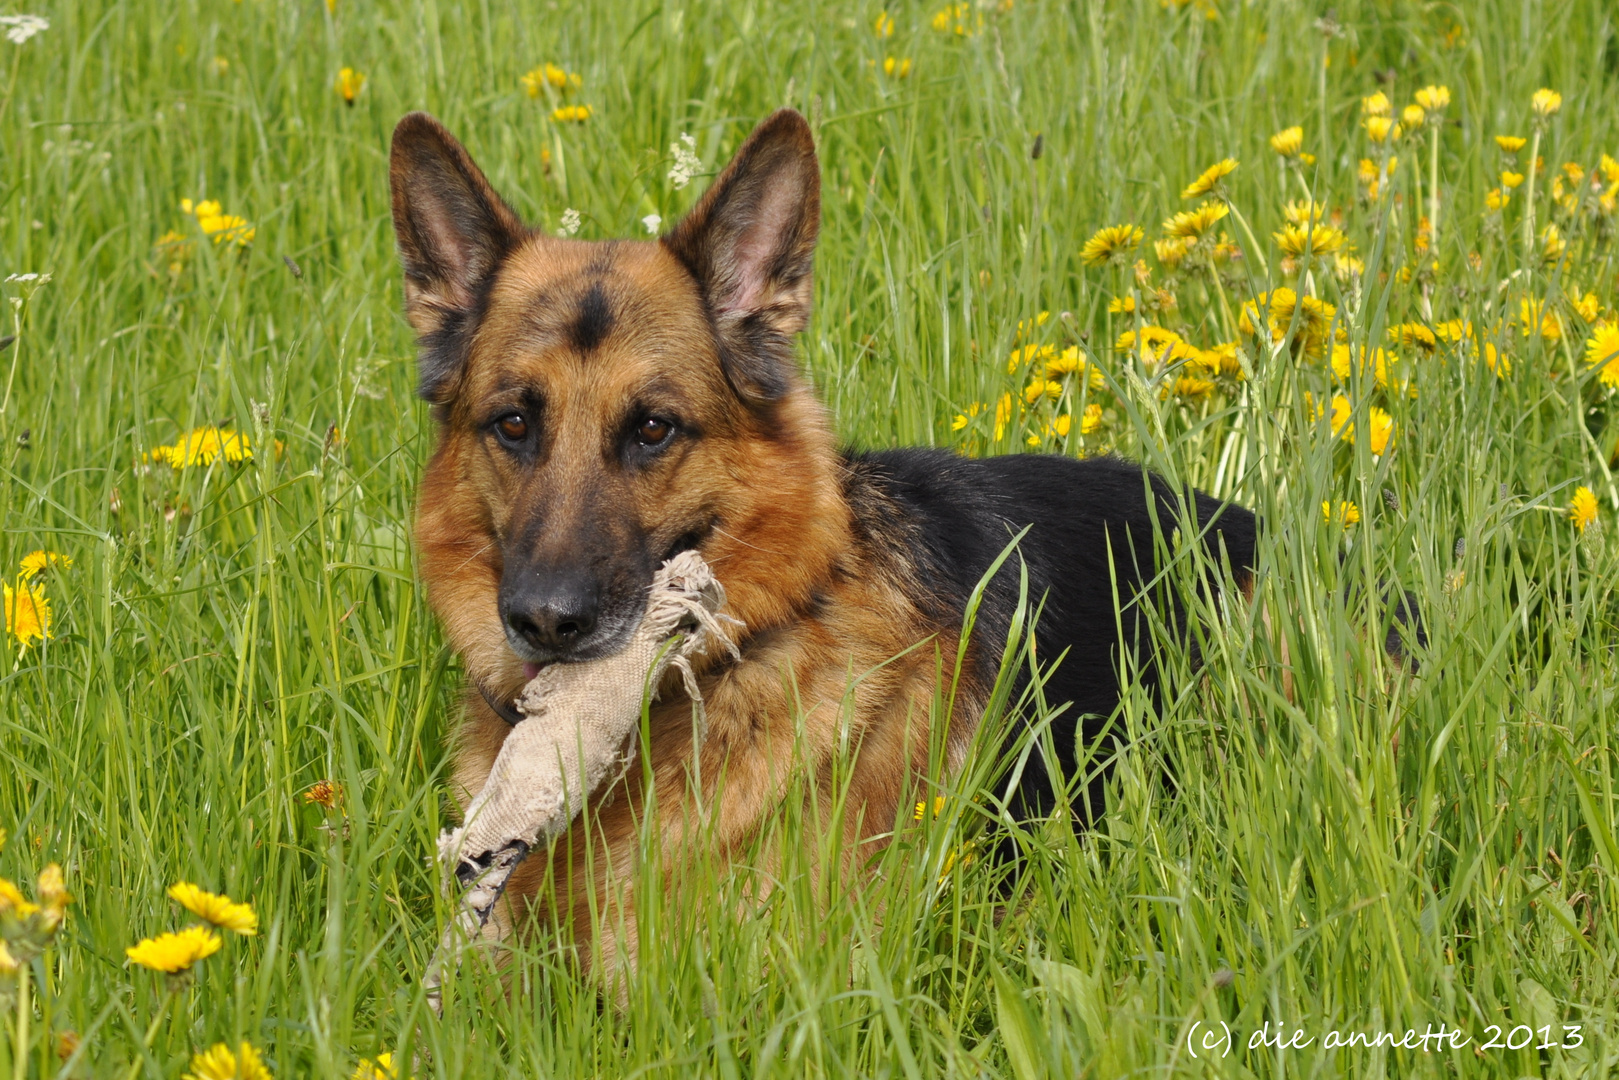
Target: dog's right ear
[453, 231]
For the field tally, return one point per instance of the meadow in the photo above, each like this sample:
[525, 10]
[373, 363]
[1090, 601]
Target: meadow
[1391, 333]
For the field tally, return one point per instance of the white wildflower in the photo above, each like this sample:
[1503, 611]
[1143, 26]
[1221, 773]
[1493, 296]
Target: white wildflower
[24, 279]
[22, 27]
[570, 222]
[687, 163]
[652, 222]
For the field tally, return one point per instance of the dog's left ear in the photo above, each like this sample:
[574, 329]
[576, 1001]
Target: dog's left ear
[750, 242]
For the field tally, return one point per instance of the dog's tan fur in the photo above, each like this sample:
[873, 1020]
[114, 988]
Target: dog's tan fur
[822, 598]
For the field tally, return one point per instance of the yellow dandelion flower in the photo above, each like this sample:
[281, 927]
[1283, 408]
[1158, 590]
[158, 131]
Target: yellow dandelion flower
[13, 903]
[571, 114]
[959, 19]
[1025, 326]
[1315, 319]
[1193, 386]
[1092, 419]
[1510, 179]
[1121, 305]
[1192, 224]
[220, 1063]
[1453, 330]
[215, 908]
[1345, 513]
[36, 563]
[1511, 143]
[1299, 241]
[1339, 422]
[1171, 252]
[28, 612]
[1587, 307]
[1154, 342]
[1288, 142]
[1582, 509]
[349, 84]
[1602, 352]
[1546, 102]
[1028, 354]
[1347, 364]
[1376, 105]
[553, 76]
[1003, 414]
[1413, 117]
[1380, 423]
[884, 26]
[52, 887]
[1222, 359]
[1497, 198]
[1302, 211]
[1414, 333]
[1074, 362]
[1381, 128]
[1211, 179]
[1433, 98]
[1277, 305]
[1500, 366]
[204, 446]
[1039, 388]
[1534, 315]
[1110, 244]
[215, 223]
[1552, 244]
[176, 952]
[382, 1068]
[1346, 268]
[897, 69]
[1382, 430]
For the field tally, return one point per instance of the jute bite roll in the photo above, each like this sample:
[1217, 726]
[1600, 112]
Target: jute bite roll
[574, 736]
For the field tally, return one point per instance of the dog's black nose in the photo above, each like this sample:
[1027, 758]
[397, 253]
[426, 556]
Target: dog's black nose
[553, 614]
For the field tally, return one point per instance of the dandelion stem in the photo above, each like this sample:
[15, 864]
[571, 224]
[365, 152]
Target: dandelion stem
[1529, 196]
[1304, 186]
[1253, 245]
[25, 1009]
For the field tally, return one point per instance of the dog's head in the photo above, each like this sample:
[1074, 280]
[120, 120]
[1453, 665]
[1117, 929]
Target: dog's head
[604, 405]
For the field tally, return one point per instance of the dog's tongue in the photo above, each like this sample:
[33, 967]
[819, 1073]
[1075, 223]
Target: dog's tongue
[530, 670]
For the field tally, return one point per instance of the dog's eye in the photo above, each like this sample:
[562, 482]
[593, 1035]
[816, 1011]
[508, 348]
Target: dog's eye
[512, 428]
[653, 431]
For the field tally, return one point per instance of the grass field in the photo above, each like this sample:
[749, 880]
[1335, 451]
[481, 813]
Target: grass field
[240, 622]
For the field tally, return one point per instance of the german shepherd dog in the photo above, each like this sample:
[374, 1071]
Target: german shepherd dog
[601, 407]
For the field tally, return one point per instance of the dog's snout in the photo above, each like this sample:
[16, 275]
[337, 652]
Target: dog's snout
[553, 615]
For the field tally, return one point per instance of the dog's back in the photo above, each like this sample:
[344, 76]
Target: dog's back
[1093, 540]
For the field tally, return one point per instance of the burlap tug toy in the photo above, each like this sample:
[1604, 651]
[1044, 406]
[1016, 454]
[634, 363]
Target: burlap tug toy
[574, 736]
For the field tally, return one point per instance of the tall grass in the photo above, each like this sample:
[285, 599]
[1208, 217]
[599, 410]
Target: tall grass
[1376, 850]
